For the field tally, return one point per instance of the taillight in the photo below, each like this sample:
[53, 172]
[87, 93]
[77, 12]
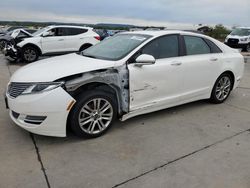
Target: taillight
[97, 37]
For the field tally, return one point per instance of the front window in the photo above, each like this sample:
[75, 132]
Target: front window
[240, 32]
[40, 31]
[163, 47]
[116, 47]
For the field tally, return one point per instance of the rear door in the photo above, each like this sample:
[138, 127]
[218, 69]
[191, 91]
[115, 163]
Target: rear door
[201, 67]
[73, 38]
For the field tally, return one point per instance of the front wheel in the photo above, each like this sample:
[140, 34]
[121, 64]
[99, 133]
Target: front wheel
[222, 88]
[248, 48]
[30, 54]
[93, 113]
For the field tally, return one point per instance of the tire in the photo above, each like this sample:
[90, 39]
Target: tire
[247, 49]
[84, 47]
[93, 124]
[222, 88]
[30, 54]
[3, 44]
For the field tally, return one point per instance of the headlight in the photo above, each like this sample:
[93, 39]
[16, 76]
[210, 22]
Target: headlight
[41, 87]
[243, 39]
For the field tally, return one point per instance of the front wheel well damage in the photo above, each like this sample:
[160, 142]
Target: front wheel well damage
[87, 87]
[111, 80]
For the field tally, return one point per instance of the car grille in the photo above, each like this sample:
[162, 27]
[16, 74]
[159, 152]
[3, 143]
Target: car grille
[233, 41]
[15, 89]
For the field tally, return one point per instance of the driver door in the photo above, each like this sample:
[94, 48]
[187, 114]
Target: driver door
[158, 85]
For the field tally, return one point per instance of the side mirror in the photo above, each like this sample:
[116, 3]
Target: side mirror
[46, 34]
[144, 59]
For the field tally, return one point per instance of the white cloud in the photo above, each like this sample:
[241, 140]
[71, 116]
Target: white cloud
[19, 15]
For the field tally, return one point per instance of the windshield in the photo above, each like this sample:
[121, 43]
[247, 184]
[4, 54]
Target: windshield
[40, 31]
[116, 47]
[241, 32]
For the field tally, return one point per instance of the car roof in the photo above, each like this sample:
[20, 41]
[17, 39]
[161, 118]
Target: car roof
[163, 32]
[70, 26]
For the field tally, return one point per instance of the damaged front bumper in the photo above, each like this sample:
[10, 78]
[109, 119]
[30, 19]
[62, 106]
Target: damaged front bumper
[11, 52]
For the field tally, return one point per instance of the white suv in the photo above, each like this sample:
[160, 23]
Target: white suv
[239, 38]
[59, 39]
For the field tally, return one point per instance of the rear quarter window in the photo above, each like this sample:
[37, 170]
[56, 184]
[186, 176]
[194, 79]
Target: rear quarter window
[214, 48]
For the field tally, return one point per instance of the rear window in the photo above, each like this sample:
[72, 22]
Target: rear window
[66, 31]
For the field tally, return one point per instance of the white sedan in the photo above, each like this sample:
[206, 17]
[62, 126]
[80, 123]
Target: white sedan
[126, 75]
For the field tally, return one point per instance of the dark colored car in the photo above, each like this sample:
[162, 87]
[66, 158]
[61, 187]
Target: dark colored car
[9, 41]
[15, 36]
[4, 32]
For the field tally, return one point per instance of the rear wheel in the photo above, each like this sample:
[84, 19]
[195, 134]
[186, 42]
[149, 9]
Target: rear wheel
[30, 54]
[93, 114]
[248, 48]
[222, 88]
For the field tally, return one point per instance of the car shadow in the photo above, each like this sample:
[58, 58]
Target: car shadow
[128, 124]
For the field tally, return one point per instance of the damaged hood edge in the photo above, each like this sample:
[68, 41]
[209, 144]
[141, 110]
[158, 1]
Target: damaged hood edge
[51, 69]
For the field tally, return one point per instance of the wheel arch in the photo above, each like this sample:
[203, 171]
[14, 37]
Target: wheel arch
[85, 46]
[92, 86]
[95, 85]
[231, 75]
[34, 46]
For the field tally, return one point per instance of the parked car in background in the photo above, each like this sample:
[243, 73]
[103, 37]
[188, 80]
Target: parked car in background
[54, 40]
[15, 36]
[103, 33]
[126, 75]
[239, 38]
[4, 32]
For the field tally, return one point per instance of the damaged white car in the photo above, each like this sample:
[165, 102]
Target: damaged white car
[126, 75]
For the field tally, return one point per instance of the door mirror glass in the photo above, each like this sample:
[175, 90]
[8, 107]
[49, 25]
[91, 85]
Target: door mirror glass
[144, 59]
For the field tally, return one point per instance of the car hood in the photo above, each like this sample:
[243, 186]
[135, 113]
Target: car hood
[51, 69]
[5, 37]
[236, 36]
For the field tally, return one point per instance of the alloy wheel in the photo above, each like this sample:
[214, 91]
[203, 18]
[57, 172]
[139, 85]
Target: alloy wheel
[223, 88]
[30, 55]
[95, 116]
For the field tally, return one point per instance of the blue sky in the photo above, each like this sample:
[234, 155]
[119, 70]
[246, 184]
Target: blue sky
[142, 12]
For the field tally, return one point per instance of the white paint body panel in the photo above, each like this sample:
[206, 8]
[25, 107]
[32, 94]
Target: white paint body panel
[52, 104]
[152, 87]
[55, 44]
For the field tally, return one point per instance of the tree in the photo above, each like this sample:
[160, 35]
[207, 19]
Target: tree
[219, 32]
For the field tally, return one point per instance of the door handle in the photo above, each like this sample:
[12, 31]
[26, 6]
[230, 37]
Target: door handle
[60, 39]
[213, 59]
[176, 63]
